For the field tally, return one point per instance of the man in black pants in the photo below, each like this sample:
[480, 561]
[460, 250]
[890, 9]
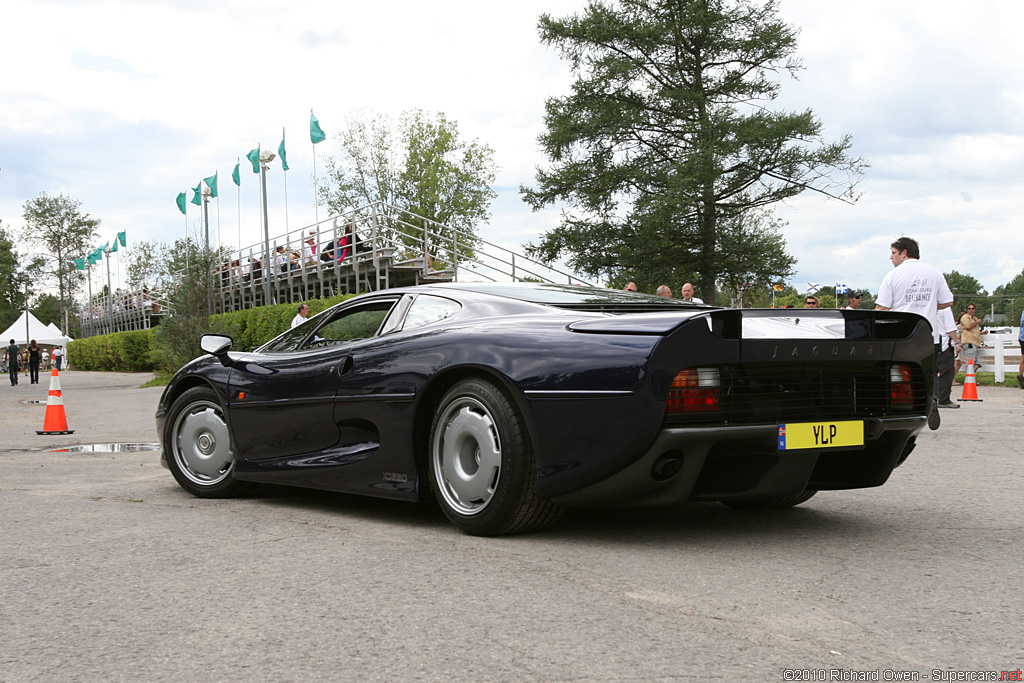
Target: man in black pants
[13, 362]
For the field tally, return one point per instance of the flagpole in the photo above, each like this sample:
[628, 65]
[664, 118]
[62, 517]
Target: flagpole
[285, 187]
[238, 161]
[316, 204]
[92, 321]
[185, 212]
[218, 222]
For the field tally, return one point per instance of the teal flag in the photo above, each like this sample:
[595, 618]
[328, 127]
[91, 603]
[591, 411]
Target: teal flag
[80, 262]
[91, 259]
[316, 134]
[211, 183]
[113, 248]
[120, 237]
[181, 202]
[254, 159]
[195, 198]
[235, 176]
[280, 153]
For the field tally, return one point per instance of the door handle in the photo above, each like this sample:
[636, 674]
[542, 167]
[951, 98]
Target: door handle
[346, 365]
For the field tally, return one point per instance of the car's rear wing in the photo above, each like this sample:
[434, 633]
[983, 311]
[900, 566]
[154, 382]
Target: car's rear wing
[759, 323]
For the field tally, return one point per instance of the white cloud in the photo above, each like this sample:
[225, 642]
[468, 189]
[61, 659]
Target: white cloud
[123, 104]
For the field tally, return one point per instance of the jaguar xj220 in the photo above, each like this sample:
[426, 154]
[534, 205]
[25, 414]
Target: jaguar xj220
[507, 403]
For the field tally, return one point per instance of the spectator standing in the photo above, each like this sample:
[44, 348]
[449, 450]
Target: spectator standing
[970, 336]
[854, 303]
[630, 287]
[58, 356]
[664, 290]
[915, 287]
[301, 316]
[33, 362]
[13, 355]
[1020, 340]
[46, 360]
[949, 343]
[812, 302]
[687, 292]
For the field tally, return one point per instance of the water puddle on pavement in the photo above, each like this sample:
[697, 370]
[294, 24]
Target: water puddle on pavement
[108, 448]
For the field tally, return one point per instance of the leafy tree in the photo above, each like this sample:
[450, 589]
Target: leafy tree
[1009, 298]
[964, 285]
[759, 250]
[16, 280]
[421, 167]
[665, 143]
[146, 266]
[59, 226]
[48, 309]
[193, 268]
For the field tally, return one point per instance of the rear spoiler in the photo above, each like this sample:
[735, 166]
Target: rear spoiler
[766, 323]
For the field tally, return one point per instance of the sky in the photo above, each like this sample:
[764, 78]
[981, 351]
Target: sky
[124, 104]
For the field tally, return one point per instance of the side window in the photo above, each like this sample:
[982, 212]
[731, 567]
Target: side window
[290, 340]
[427, 309]
[345, 325]
[352, 324]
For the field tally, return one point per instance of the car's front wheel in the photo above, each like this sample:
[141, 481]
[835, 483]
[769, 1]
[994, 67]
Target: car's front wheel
[482, 467]
[198, 446]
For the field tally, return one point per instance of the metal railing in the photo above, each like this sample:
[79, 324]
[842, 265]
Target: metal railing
[387, 246]
[122, 312]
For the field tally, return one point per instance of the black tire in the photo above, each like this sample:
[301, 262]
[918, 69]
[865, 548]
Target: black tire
[481, 467]
[198, 447]
[769, 503]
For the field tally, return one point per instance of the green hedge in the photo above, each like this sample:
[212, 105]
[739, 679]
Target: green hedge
[256, 326]
[138, 351]
[119, 352]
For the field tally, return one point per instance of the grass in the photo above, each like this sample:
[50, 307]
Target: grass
[988, 379]
[162, 380]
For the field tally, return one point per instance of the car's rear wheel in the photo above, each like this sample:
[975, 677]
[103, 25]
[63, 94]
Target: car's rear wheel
[197, 444]
[769, 503]
[482, 467]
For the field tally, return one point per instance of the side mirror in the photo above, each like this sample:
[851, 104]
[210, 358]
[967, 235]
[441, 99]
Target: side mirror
[217, 345]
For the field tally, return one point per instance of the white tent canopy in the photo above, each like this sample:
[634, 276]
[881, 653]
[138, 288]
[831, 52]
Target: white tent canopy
[57, 334]
[34, 330]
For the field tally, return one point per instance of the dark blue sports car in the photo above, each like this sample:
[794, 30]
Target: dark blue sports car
[509, 402]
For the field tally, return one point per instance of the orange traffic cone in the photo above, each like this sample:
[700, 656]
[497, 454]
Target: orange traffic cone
[970, 384]
[55, 422]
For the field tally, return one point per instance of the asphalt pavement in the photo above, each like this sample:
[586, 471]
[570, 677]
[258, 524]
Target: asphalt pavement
[110, 572]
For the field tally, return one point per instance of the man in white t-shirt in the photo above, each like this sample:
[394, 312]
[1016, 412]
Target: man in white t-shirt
[950, 345]
[914, 287]
[301, 316]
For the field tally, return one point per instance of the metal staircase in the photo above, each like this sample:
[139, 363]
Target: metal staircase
[388, 247]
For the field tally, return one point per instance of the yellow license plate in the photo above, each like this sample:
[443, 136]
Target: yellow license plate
[801, 435]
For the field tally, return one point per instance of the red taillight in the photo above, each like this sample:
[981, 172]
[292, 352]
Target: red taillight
[695, 390]
[901, 385]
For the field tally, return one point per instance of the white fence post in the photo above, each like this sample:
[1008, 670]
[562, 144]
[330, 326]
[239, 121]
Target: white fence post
[1000, 355]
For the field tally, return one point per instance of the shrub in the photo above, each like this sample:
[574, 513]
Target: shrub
[120, 352]
[176, 341]
[256, 326]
